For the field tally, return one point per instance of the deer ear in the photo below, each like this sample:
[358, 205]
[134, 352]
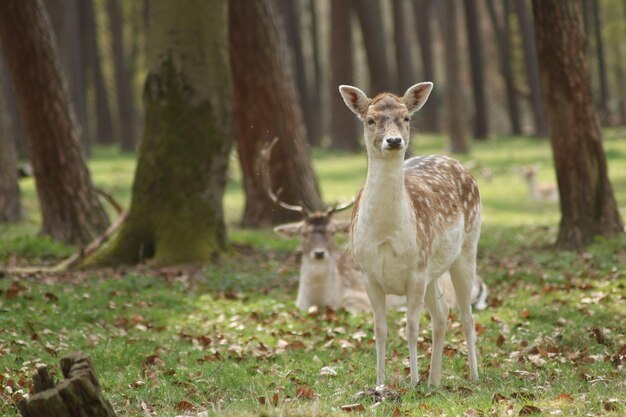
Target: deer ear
[289, 230]
[342, 226]
[416, 96]
[355, 99]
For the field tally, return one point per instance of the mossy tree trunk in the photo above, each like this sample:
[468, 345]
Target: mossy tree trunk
[588, 205]
[69, 205]
[176, 211]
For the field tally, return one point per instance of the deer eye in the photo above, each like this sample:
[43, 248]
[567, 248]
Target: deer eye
[406, 119]
[370, 121]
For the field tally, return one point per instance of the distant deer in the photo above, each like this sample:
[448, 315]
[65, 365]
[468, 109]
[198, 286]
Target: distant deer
[538, 192]
[412, 222]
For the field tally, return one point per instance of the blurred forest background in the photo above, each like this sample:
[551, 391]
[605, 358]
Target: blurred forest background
[284, 60]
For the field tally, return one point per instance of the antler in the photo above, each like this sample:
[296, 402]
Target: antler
[265, 172]
[339, 207]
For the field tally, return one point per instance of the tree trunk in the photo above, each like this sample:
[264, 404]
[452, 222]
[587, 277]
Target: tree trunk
[316, 131]
[588, 206]
[620, 79]
[343, 125]
[78, 395]
[12, 111]
[370, 17]
[603, 103]
[176, 213]
[104, 124]
[503, 42]
[404, 56]
[124, 90]
[291, 12]
[475, 45]
[532, 68]
[67, 23]
[454, 88]
[429, 115]
[257, 40]
[70, 208]
[10, 206]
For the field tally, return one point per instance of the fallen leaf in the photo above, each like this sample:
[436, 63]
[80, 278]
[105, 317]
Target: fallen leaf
[611, 405]
[500, 340]
[350, 408]
[529, 410]
[305, 391]
[566, 397]
[328, 371]
[184, 406]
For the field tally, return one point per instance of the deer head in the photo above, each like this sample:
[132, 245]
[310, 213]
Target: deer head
[316, 229]
[386, 117]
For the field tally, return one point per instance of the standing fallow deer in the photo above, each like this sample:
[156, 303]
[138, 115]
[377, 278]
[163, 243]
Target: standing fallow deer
[411, 222]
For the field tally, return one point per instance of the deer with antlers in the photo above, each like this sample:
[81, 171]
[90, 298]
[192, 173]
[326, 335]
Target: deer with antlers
[411, 222]
[328, 277]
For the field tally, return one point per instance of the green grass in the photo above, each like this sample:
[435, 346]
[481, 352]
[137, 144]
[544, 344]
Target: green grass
[227, 338]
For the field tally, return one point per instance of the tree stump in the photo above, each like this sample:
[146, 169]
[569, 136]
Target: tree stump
[79, 395]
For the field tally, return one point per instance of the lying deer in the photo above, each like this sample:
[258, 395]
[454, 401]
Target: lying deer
[411, 222]
[538, 192]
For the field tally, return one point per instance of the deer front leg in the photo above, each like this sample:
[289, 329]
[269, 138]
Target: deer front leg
[379, 308]
[415, 304]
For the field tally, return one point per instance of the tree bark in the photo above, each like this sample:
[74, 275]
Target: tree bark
[372, 25]
[475, 45]
[503, 42]
[603, 102]
[316, 131]
[343, 126]
[70, 208]
[588, 205]
[532, 69]
[454, 88]
[291, 12]
[404, 58]
[12, 111]
[124, 91]
[429, 115]
[78, 395]
[10, 206]
[104, 123]
[257, 40]
[176, 213]
[67, 23]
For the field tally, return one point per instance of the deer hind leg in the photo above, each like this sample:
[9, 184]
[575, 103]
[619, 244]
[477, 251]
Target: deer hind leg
[438, 308]
[415, 303]
[379, 308]
[463, 273]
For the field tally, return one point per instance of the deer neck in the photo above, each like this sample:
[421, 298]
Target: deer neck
[320, 283]
[385, 201]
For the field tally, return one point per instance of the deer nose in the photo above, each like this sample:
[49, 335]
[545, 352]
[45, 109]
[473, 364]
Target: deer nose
[319, 254]
[394, 143]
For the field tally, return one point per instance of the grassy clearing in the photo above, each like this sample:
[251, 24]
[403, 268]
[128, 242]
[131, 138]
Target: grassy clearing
[227, 339]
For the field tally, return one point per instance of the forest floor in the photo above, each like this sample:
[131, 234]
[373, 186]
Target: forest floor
[227, 339]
